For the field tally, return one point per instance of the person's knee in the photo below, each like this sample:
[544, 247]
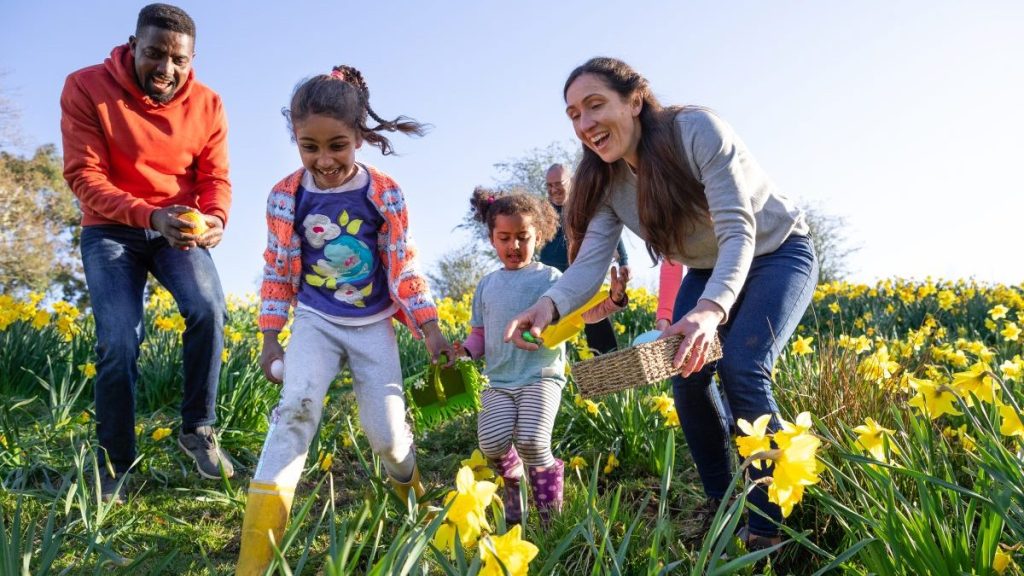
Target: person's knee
[392, 446]
[299, 419]
[495, 448]
[118, 346]
[204, 308]
[535, 451]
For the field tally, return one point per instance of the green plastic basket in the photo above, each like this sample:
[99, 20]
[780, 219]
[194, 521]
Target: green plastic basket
[439, 393]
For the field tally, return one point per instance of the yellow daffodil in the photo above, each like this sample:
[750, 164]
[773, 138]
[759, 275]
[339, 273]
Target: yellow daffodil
[878, 367]
[611, 464]
[41, 319]
[467, 514]
[577, 463]
[976, 381]
[932, 399]
[947, 299]
[1011, 424]
[672, 419]
[593, 408]
[480, 466]
[998, 312]
[796, 467]
[756, 439]
[871, 438]
[662, 404]
[1011, 369]
[801, 425]
[834, 308]
[160, 433]
[802, 346]
[1002, 562]
[577, 400]
[1010, 332]
[326, 460]
[88, 369]
[512, 551]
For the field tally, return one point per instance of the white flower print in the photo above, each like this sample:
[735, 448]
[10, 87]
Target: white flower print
[320, 230]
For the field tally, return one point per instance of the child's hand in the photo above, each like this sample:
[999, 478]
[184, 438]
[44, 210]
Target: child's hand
[460, 350]
[272, 351]
[617, 291]
[436, 343]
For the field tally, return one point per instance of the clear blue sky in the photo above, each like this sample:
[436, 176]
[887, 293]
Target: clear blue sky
[903, 117]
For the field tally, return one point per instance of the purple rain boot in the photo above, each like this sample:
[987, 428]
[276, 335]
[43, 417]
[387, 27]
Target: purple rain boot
[510, 468]
[547, 488]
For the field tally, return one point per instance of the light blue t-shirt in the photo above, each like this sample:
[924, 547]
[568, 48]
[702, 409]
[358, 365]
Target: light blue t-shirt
[499, 297]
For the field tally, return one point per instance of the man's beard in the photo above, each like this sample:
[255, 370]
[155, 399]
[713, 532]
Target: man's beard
[161, 97]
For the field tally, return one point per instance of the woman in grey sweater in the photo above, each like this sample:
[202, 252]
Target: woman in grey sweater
[682, 180]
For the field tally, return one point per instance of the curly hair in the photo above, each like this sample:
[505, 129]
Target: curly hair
[166, 17]
[343, 95]
[488, 204]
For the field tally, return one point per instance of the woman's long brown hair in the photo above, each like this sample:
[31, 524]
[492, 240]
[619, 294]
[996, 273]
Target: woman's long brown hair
[670, 200]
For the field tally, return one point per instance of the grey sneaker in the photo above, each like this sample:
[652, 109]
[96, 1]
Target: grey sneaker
[207, 453]
[109, 489]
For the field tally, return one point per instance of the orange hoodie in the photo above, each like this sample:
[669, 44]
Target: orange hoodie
[126, 156]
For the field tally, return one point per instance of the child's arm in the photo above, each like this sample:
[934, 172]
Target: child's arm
[474, 344]
[617, 298]
[669, 279]
[272, 351]
[436, 343]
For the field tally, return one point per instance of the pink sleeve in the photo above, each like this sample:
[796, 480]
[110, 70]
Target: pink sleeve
[670, 278]
[603, 310]
[474, 343]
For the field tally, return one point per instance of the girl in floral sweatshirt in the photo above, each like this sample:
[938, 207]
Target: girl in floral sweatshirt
[338, 251]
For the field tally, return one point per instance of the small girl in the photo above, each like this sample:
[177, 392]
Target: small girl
[518, 409]
[338, 250]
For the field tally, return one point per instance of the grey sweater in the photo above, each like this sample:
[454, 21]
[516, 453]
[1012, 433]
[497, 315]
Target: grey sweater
[749, 217]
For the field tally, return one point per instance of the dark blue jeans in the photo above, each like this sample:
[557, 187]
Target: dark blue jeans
[777, 291]
[116, 261]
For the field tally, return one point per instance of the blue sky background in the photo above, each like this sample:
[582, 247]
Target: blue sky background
[905, 118]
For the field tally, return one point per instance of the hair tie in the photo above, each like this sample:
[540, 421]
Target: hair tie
[490, 199]
[339, 75]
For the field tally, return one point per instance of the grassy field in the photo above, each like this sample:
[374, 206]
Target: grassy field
[902, 455]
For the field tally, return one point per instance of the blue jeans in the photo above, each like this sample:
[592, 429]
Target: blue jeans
[117, 260]
[777, 291]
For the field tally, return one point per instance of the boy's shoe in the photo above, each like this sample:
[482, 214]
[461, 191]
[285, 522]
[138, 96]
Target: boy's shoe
[110, 492]
[203, 447]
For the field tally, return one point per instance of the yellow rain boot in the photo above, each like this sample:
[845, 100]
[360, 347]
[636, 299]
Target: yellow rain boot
[266, 511]
[402, 488]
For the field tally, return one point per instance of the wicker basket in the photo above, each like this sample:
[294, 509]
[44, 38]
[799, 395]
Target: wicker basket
[636, 366]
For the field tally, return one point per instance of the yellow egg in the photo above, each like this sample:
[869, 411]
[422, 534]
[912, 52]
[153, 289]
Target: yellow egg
[196, 219]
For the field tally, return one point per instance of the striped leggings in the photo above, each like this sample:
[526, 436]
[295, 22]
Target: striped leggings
[523, 415]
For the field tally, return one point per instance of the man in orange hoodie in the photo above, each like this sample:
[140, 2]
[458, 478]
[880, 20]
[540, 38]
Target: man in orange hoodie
[145, 150]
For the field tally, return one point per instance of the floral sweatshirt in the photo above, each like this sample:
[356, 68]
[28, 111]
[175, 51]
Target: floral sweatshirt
[282, 273]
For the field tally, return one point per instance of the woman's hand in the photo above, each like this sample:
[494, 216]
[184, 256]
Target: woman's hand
[272, 351]
[436, 343]
[617, 290]
[534, 319]
[698, 327]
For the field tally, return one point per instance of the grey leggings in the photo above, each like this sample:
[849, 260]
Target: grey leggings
[316, 352]
[524, 415]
